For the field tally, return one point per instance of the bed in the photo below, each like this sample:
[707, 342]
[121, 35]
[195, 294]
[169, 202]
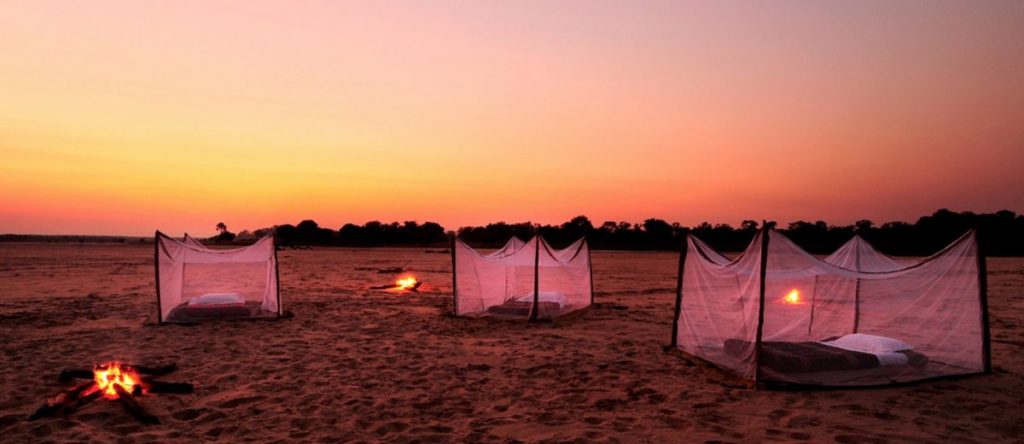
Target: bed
[211, 306]
[840, 359]
[549, 304]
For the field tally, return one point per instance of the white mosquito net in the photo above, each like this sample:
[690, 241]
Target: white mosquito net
[196, 283]
[817, 323]
[527, 280]
[857, 254]
[191, 241]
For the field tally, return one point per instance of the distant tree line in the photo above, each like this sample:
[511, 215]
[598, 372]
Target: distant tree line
[371, 234]
[1000, 233]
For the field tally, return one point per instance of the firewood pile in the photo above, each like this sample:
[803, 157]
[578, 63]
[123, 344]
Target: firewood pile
[124, 383]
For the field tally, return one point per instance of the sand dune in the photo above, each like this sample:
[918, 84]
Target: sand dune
[358, 364]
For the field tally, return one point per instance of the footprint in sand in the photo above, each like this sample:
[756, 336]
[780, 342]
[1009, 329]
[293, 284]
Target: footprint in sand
[188, 414]
[232, 403]
[859, 439]
[803, 421]
[775, 416]
[392, 427]
[211, 417]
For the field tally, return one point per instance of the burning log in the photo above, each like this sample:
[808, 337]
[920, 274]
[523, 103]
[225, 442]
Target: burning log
[82, 401]
[133, 407]
[78, 373]
[408, 283]
[169, 387]
[61, 401]
[74, 373]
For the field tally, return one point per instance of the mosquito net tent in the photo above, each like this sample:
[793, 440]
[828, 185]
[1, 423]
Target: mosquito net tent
[196, 283]
[189, 240]
[777, 314]
[524, 280]
[858, 255]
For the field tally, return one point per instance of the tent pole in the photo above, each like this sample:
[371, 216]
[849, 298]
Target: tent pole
[536, 279]
[679, 291]
[455, 294]
[814, 297]
[856, 290]
[986, 341]
[590, 268]
[277, 276]
[760, 310]
[156, 262]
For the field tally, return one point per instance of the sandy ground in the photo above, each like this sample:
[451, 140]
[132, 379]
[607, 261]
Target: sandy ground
[362, 365]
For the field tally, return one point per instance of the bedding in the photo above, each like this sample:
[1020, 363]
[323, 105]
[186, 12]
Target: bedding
[521, 309]
[217, 299]
[210, 310]
[808, 357]
[545, 296]
[868, 343]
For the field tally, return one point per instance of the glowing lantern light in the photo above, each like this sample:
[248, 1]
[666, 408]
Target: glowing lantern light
[793, 297]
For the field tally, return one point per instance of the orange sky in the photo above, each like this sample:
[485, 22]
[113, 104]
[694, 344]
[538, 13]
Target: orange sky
[124, 117]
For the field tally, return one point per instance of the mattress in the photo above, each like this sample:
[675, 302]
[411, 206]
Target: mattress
[546, 296]
[519, 309]
[810, 357]
[206, 312]
[217, 299]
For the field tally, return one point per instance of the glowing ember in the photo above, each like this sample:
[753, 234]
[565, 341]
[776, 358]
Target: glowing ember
[406, 283]
[111, 374]
[793, 297]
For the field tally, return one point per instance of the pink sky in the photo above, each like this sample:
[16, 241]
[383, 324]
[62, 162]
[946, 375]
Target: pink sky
[126, 117]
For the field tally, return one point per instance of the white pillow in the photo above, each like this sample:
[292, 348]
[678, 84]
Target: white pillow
[217, 299]
[546, 296]
[869, 343]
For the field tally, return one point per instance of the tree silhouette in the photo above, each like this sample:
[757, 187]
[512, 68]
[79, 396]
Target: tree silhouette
[225, 235]
[1000, 234]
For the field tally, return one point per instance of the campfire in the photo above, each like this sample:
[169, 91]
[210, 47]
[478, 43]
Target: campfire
[124, 383]
[407, 283]
[111, 377]
[401, 285]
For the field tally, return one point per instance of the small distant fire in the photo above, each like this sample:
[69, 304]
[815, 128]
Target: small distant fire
[402, 284]
[406, 283]
[792, 298]
[113, 374]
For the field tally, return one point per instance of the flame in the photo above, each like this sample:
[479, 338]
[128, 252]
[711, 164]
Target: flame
[108, 375]
[406, 283]
[793, 297]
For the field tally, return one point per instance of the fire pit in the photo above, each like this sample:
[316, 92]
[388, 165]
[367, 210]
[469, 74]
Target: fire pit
[401, 285]
[124, 383]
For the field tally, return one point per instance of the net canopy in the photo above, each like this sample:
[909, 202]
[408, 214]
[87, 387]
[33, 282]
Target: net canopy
[191, 241]
[778, 314]
[196, 283]
[857, 254]
[527, 280]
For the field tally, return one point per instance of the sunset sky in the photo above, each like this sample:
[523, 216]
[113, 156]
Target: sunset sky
[126, 117]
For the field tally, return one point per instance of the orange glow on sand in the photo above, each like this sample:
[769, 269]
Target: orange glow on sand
[111, 374]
